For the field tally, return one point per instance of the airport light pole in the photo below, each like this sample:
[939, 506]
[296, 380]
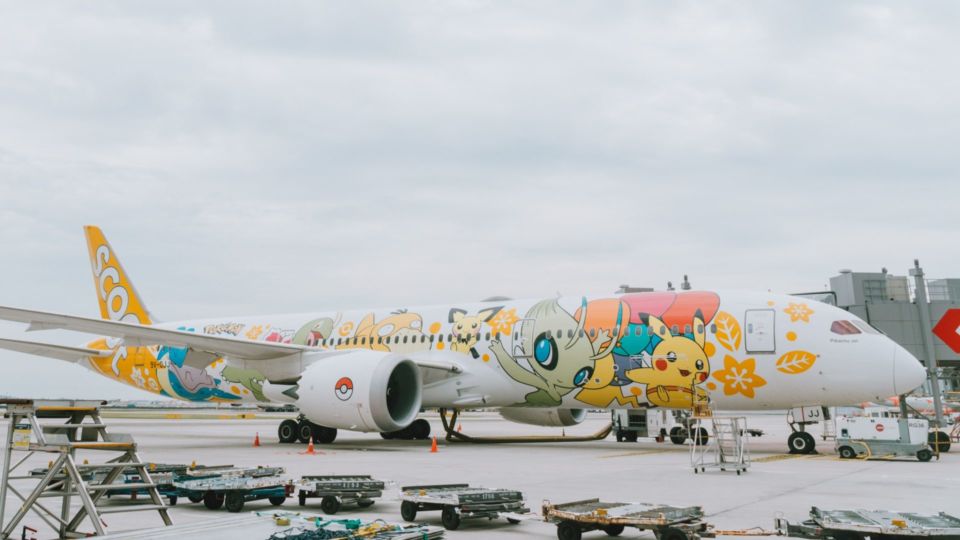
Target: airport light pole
[927, 330]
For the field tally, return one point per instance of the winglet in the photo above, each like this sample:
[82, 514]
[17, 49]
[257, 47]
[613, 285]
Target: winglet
[118, 297]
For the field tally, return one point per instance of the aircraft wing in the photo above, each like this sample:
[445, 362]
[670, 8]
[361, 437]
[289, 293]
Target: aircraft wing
[60, 352]
[136, 335]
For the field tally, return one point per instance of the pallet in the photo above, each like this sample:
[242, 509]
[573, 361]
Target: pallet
[335, 491]
[461, 501]
[855, 524]
[666, 522]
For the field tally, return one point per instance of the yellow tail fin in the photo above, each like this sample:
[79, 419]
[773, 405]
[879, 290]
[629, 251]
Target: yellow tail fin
[118, 298]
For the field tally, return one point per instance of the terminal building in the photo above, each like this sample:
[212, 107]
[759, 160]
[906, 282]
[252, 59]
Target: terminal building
[888, 303]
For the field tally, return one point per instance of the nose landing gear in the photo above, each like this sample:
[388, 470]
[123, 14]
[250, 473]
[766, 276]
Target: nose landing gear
[801, 441]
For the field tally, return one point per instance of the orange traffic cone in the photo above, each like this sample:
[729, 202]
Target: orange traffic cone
[310, 451]
[256, 440]
[433, 447]
[459, 428]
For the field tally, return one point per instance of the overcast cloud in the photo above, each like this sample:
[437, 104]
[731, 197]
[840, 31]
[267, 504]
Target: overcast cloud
[295, 156]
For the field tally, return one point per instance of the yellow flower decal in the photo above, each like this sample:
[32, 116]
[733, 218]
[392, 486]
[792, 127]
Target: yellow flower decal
[798, 312]
[503, 321]
[739, 377]
[254, 332]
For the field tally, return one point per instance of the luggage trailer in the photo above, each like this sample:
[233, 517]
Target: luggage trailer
[235, 487]
[667, 522]
[460, 501]
[338, 490]
[858, 524]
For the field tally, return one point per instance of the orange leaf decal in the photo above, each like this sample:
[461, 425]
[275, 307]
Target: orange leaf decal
[728, 331]
[795, 362]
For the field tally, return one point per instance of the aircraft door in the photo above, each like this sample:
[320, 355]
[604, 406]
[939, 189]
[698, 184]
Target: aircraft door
[760, 335]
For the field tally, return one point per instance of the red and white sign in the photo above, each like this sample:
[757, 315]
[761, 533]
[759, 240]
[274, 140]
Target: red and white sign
[880, 427]
[948, 329]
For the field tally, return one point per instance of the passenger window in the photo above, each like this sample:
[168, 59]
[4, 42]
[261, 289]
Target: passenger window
[379, 340]
[674, 329]
[844, 328]
[363, 340]
[593, 333]
[488, 336]
[699, 328]
[570, 334]
[686, 329]
[405, 339]
[580, 332]
[663, 330]
[431, 338]
[713, 329]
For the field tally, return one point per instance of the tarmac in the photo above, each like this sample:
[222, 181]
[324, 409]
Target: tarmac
[777, 484]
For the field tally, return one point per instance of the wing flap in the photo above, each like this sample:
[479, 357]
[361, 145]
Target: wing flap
[138, 335]
[60, 352]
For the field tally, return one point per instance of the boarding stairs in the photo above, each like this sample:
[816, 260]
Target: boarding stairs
[717, 442]
[60, 429]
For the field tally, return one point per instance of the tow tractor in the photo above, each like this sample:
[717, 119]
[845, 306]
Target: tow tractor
[869, 437]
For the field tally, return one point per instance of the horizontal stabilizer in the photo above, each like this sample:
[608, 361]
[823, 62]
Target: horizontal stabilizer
[60, 352]
[137, 335]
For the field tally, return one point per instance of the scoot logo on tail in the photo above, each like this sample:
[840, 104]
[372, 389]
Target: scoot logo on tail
[118, 298]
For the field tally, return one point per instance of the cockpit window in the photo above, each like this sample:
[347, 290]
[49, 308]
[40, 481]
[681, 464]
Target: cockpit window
[844, 328]
[866, 327]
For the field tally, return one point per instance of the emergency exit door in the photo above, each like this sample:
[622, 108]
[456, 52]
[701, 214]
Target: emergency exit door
[760, 335]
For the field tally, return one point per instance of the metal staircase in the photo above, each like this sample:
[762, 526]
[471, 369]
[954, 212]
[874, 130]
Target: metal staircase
[717, 442]
[61, 428]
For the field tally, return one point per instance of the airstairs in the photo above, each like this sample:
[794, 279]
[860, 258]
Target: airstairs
[60, 429]
[717, 442]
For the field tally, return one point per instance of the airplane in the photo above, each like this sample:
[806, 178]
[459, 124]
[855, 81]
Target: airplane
[539, 361]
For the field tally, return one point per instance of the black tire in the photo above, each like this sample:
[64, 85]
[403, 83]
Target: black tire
[924, 455]
[304, 431]
[450, 518]
[613, 530]
[387, 435]
[619, 436]
[671, 533]
[939, 439]
[173, 499]
[845, 535]
[330, 505]
[420, 429]
[234, 502]
[287, 431]
[567, 530]
[678, 435]
[630, 436]
[701, 437]
[324, 435]
[195, 498]
[302, 499]
[277, 501]
[847, 452]
[513, 521]
[801, 442]
[365, 503]
[408, 511]
[212, 500]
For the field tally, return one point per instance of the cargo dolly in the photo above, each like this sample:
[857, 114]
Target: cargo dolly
[334, 491]
[460, 501]
[235, 487]
[858, 524]
[667, 522]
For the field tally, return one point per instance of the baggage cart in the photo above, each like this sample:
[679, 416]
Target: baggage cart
[667, 522]
[334, 491]
[858, 524]
[236, 487]
[460, 501]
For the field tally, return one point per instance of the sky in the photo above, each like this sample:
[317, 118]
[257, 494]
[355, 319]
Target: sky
[247, 157]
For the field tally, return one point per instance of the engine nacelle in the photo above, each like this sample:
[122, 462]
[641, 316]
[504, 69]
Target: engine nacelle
[544, 417]
[361, 391]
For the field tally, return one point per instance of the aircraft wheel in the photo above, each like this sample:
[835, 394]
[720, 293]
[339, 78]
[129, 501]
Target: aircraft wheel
[324, 435]
[939, 440]
[678, 435]
[287, 432]
[701, 437]
[304, 431]
[801, 442]
[387, 435]
[420, 429]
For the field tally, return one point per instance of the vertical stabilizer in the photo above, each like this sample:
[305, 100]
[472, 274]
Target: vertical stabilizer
[118, 297]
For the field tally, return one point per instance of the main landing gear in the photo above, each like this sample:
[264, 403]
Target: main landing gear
[303, 430]
[419, 429]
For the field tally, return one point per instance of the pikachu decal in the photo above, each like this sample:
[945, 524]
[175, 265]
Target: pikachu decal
[677, 365]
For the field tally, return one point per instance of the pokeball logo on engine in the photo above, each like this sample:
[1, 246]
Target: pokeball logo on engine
[344, 388]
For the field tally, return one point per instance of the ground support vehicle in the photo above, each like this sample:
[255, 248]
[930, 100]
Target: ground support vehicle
[667, 522]
[872, 438]
[858, 524]
[460, 501]
[334, 491]
[236, 487]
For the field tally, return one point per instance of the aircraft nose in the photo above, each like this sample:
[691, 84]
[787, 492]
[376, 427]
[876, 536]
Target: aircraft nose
[908, 372]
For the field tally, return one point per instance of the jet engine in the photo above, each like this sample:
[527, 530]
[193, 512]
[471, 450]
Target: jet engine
[544, 417]
[361, 391]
